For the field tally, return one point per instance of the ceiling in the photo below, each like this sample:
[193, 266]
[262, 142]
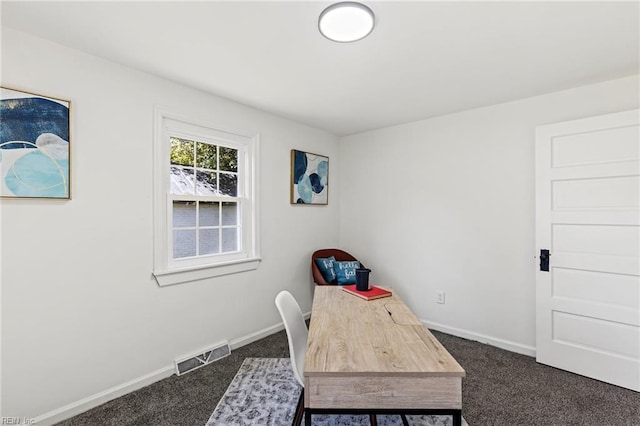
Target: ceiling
[423, 59]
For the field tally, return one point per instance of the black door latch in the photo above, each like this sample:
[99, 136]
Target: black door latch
[544, 260]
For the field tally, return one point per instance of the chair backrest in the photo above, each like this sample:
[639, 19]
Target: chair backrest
[340, 255]
[297, 331]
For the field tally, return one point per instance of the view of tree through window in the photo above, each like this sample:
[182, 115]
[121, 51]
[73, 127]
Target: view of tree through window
[215, 168]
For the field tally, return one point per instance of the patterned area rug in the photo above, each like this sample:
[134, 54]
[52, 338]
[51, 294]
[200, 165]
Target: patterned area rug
[264, 392]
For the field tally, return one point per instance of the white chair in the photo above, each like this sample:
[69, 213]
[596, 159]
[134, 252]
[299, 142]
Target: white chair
[297, 333]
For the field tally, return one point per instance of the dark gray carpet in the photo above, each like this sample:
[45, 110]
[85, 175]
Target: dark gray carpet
[501, 388]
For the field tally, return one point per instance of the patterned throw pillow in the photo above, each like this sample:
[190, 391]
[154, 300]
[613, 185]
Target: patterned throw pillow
[326, 268]
[346, 271]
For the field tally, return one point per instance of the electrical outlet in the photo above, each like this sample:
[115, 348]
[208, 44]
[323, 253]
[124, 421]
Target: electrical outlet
[440, 297]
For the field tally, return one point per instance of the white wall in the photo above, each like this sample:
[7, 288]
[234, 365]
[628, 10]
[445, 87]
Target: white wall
[80, 312]
[447, 204]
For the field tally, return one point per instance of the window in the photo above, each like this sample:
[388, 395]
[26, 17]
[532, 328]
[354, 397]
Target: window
[205, 203]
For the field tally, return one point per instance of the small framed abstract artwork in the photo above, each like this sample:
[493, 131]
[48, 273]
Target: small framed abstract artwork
[309, 178]
[34, 145]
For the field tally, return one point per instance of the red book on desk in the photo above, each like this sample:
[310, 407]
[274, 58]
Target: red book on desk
[373, 293]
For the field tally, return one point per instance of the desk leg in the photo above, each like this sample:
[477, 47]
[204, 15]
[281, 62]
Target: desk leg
[307, 417]
[457, 418]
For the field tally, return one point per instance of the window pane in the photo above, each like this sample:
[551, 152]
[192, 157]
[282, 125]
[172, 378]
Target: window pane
[181, 152]
[229, 213]
[184, 214]
[206, 183]
[228, 159]
[209, 214]
[229, 184]
[209, 241]
[229, 240]
[181, 181]
[184, 243]
[206, 155]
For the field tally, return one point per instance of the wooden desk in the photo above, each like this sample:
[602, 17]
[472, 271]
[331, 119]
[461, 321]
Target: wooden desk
[376, 357]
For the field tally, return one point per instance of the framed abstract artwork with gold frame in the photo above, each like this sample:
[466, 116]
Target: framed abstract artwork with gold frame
[34, 145]
[309, 178]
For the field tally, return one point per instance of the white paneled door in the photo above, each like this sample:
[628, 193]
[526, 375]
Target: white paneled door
[588, 217]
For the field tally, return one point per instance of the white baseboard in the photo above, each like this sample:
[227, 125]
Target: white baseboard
[237, 343]
[78, 407]
[482, 338]
[93, 401]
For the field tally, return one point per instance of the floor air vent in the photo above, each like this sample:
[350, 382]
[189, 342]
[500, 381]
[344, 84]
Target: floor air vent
[201, 358]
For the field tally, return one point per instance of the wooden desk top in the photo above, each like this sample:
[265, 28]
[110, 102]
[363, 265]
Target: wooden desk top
[349, 336]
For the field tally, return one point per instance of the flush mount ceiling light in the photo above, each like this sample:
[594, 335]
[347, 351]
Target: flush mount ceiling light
[345, 22]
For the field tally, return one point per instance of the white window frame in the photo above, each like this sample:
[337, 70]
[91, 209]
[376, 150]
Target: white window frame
[166, 269]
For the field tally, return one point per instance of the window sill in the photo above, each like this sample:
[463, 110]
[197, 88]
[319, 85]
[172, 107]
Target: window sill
[166, 278]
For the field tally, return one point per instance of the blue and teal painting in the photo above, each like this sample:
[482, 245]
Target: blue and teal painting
[310, 178]
[34, 146]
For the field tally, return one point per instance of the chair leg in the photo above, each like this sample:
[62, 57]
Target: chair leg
[297, 417]
[404, 420]
[373, 420]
